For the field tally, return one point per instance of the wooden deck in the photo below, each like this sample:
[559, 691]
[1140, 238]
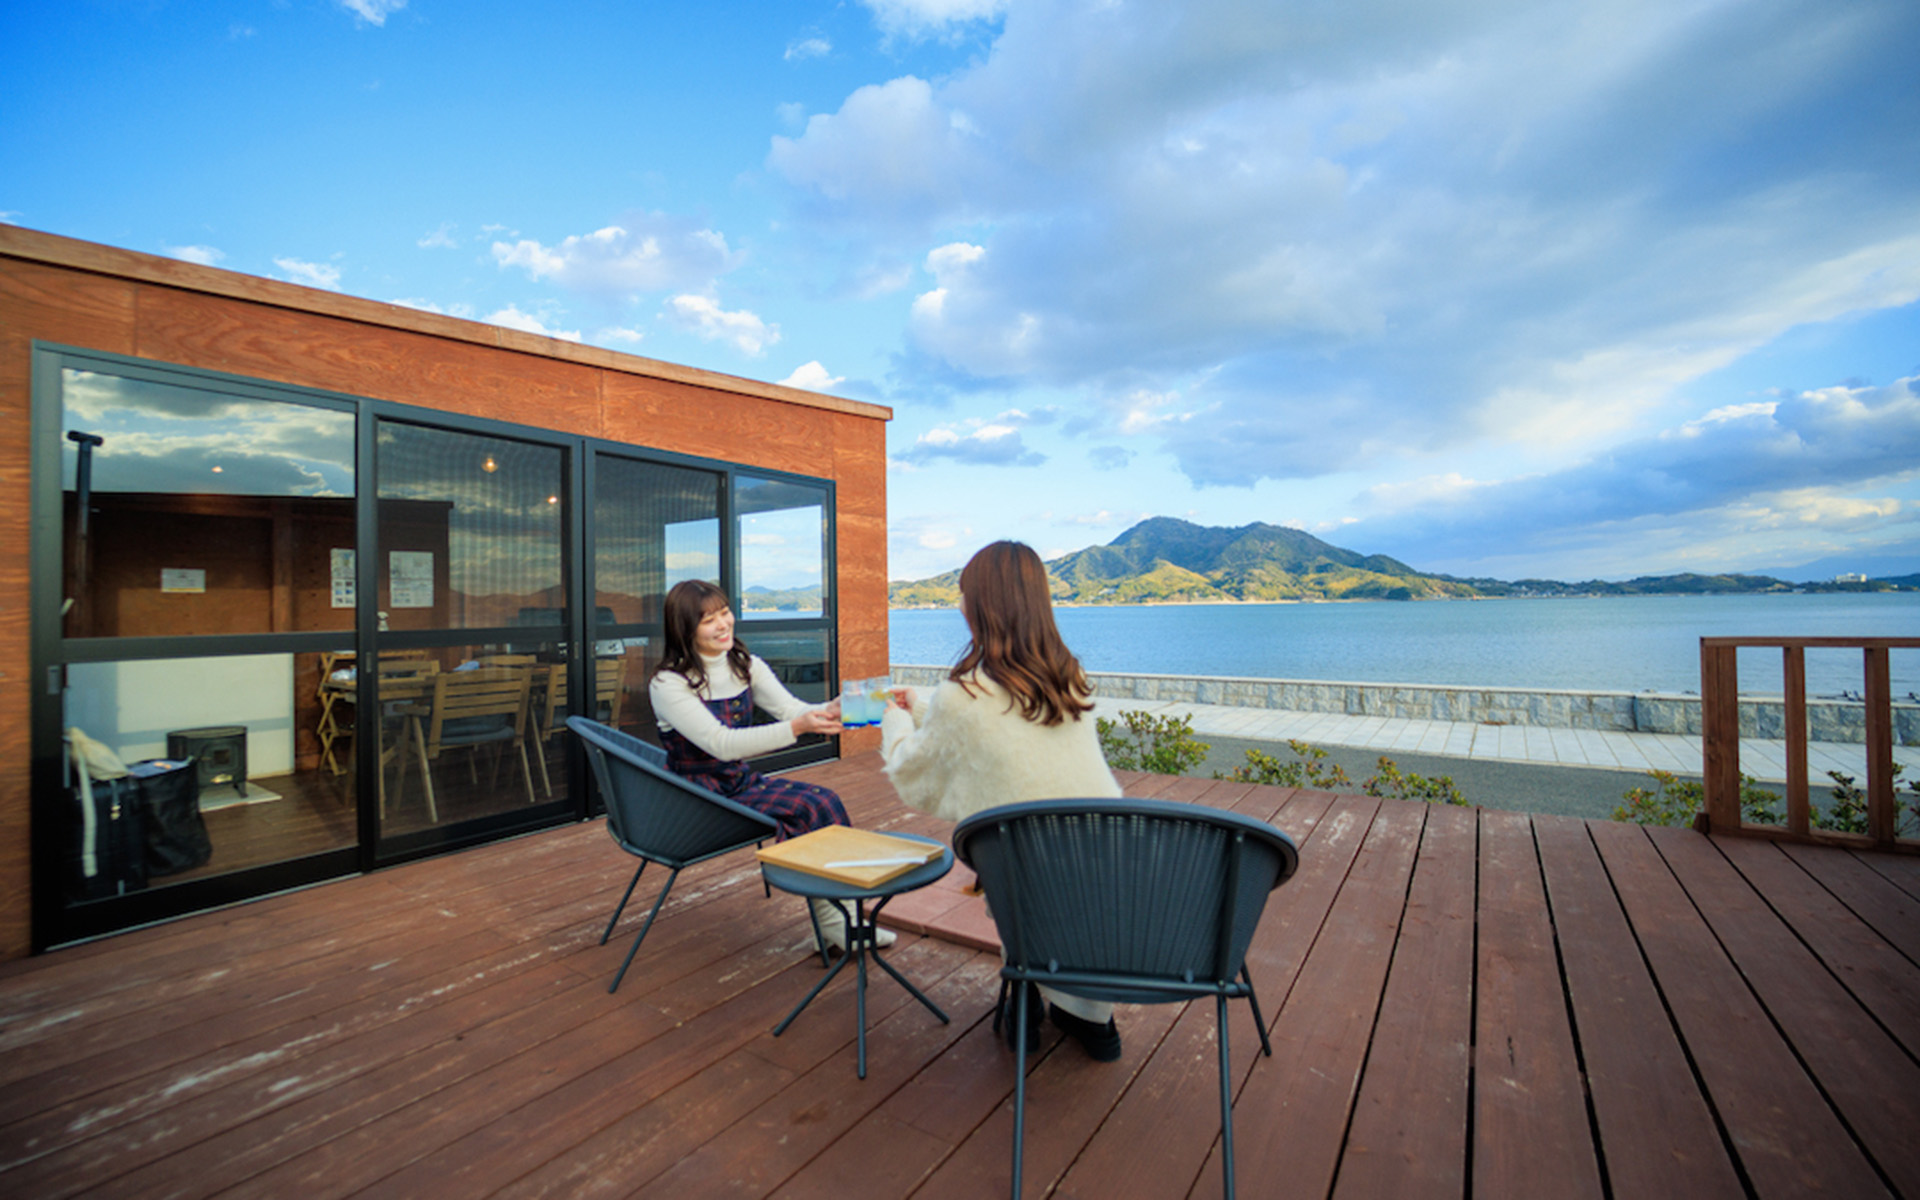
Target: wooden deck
[1463, 1003]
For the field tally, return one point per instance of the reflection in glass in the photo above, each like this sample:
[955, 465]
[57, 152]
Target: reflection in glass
[470, 528]
[256, 785]
[783, 534]
[469, 732]
[799, 660]
[633, 667]
[654, 525]
[206, 511]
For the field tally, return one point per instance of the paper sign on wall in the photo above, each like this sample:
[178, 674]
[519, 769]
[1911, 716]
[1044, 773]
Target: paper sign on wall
[410, 578]
[183, 579]
[342, 574]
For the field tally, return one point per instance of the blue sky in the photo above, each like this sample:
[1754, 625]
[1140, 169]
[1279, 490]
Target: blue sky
[1497, 287]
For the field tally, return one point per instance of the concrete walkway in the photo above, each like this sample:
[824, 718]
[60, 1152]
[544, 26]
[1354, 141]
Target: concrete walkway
[1546, 746]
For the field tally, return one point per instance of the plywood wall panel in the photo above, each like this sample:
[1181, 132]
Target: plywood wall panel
[344, 356]
[54, 305]
[664, 415]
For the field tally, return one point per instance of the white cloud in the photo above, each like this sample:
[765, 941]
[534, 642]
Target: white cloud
[809, 47]
[650, 253]
[981, 441]
[620, 334]
[813, 377]
[920, 18]
[1831, 457]
[9, 217]
[512, 318]
[317, 275]
[890, 147]
[704, 316]
[441, 238]
[206, 256]
[1394, 227]
[373, 12]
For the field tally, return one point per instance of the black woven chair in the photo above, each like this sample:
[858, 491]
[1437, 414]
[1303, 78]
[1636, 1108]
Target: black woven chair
[1128, 901]
[657, 816]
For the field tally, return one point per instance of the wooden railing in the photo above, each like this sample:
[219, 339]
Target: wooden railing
[1720, 734]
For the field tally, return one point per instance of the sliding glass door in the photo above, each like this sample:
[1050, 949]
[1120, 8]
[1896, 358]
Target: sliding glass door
[471, 660]
[327, 633]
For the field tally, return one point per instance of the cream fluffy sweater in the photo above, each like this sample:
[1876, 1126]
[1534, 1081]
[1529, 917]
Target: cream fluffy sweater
[957, 753]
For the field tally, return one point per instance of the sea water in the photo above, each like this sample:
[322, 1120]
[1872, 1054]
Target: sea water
[1598, 644]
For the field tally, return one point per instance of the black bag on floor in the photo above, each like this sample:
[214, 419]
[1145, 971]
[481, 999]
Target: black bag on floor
[110, 842]
[176, 835]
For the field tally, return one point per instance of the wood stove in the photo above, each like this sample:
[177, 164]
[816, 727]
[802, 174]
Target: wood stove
[219, 754]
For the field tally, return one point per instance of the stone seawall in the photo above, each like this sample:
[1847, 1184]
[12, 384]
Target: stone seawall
[1627, 712]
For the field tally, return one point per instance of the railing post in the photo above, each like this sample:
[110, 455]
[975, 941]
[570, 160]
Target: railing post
[1879, 714]
[1793, 670]
[1720, 734]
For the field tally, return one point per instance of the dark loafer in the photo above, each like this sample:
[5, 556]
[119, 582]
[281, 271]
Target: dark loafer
[1101, 1042]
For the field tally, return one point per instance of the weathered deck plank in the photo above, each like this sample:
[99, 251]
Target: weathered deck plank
[1458, 999]
[1655, 1129]
[1408, 1137]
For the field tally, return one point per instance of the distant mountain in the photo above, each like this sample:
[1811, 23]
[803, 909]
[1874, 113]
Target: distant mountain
[765, 599]
[1163, 560]
[1903, 560]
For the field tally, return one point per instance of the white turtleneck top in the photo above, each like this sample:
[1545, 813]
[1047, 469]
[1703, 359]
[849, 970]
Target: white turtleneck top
[678, 707]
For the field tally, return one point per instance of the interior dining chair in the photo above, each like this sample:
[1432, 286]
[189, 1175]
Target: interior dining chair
[609, 689]
[609, 693]
[658, 816]
[406, 687]
[1127, 901]
[486, 706]
[538, 689]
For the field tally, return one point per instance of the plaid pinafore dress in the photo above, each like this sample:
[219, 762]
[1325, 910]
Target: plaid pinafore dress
[798, 807]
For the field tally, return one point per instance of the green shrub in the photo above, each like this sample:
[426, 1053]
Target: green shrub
[1848, 812]
[1163, 745]
[1394, 784]
[1676, 802]
[1307, 769]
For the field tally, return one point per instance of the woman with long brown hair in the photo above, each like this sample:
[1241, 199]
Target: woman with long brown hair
[1010, 723]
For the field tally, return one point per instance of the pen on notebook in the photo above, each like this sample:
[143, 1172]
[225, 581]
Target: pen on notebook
[875, 862]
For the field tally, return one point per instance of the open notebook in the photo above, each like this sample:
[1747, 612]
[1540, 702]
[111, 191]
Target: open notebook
[857, 856]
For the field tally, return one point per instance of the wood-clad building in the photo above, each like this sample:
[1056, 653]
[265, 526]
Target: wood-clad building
[223, 495]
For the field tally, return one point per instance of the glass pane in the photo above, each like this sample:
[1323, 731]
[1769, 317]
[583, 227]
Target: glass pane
[799, 661]
[783, 534]
[206, 511]
[653, 526]
[470, 529]
[470, 731]
[634, 666]
[256, 791]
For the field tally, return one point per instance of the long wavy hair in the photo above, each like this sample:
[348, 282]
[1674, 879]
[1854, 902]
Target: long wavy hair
[688, 603]
[1003, 594]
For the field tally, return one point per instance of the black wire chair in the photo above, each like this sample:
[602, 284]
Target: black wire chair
[1127, 901]
[658, 816]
